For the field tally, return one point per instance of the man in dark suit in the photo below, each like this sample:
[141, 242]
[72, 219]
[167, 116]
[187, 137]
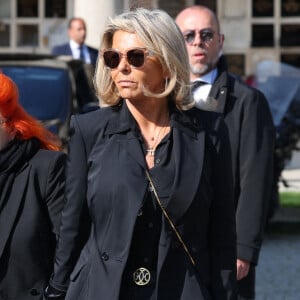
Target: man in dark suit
[251, 134]
[76, 46]
[83, 73]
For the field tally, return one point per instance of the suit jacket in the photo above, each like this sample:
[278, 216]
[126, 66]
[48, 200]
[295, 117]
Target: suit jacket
[65, 49]
[83, 75]
[106, 184]
[251, 134]
[28, 226]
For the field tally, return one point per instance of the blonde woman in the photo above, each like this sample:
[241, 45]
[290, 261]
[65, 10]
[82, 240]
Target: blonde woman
[149, 212]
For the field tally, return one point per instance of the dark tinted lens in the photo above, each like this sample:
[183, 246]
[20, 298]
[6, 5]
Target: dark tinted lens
[111, 58]
[136, 57]
[206, 35]
[190, 36]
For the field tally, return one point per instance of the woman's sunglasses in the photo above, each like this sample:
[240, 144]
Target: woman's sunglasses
[135, 57]
[206, 35]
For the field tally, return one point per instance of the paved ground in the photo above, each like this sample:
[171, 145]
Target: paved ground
[278, 271]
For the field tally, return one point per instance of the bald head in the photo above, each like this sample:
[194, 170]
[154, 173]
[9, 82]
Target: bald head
[193, 10]
[204, 42]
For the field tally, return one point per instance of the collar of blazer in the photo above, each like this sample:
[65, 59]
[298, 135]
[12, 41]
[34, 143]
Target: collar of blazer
[122, 121]
[188, 146]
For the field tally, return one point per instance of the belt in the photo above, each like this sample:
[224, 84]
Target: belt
[141, 276]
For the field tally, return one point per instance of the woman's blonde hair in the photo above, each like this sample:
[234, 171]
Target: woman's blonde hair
[163, 39]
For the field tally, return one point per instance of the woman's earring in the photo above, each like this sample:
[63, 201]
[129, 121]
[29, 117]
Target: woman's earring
[166, 83]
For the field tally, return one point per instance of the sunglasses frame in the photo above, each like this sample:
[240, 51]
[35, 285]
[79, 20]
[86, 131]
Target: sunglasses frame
[125, 54]
[206, 39]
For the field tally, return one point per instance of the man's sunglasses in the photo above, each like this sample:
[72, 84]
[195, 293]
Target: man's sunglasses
[135, 57]
[206, 35]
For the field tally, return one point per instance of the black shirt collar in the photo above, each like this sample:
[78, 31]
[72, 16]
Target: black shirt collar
[123, 121]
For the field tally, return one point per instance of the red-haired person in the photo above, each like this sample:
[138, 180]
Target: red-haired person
[32, 183]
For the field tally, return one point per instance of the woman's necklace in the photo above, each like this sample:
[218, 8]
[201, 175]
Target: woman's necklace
[151, 149]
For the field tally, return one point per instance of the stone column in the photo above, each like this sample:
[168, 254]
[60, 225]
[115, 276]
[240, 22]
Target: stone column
[95, 13]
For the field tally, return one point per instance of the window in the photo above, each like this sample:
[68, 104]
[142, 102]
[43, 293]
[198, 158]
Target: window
[236, 63]
[262, 35]
[275, 24]
[4, 9]
[291, 59]
[27, 25]
[55, 9]
[27, 35]
[290, 8]
[27, 8]
[290, 35]
[4, 35]
[209, 3]
[263, 8]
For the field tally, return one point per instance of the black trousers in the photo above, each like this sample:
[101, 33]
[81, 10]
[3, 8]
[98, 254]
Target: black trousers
[246, 286]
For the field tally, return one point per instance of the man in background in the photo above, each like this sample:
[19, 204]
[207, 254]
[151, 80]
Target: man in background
[76, 46]
[250, 128]
[84, 74]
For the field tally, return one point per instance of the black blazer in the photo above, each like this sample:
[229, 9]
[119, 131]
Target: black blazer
[106, 183]
[28, 226]
[65, 49]
[251, 134]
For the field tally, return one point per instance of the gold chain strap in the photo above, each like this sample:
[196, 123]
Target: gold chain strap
[170, 221]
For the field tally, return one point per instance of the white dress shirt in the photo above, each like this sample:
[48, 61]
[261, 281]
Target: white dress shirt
[75, 48]
[201, 93]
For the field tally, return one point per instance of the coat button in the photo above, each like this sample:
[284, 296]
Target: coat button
[150, 225]
[34, 292]
[105, 256]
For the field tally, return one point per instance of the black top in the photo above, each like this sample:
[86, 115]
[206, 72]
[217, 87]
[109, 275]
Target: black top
[144, 245]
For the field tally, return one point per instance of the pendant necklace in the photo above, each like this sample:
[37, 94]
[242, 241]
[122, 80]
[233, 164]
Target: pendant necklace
[151, 149]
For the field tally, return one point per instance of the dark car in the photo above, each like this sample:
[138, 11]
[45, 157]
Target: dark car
[51, 88]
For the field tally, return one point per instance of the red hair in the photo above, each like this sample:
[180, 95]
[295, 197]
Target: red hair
[25, 126]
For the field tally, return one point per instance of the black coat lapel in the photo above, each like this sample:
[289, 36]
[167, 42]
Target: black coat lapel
[122, 122]
[189, 154]
[219, 92]
[188, 147]
[134, 150]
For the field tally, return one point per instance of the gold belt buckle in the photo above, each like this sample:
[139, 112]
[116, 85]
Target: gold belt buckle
[141, 276]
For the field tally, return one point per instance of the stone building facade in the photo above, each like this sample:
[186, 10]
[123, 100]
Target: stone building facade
[255, 30]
